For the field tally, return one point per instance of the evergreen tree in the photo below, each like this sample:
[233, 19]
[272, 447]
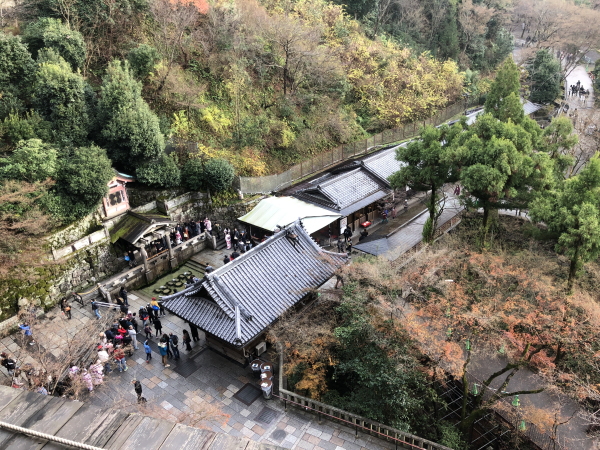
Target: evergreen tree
[192, 174]
[129, 129]
[16, 65]
[160, 172]
[218, 174]
[52, 33]
[572, 211]
[545, 76]
[448, 47]
[31, 161]
[427, 169]
[81, 181]
[506, 82]
[59, 97]
[498, 165]
[558, 140]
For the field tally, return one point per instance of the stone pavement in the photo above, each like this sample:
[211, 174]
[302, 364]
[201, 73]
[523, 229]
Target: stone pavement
[204, 396]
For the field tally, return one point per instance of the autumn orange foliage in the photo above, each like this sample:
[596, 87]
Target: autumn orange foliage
[201, 5]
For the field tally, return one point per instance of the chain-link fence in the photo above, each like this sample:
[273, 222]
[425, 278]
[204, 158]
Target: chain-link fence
[271, 183]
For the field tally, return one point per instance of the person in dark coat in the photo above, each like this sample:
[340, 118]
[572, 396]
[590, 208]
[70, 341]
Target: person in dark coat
[225, 259]
[174, 345]
[363, 234]
[186, 340]
[137, 387]
[194, 331]
[150, 312]
[123, 294]
[157, 326]
[348, 232]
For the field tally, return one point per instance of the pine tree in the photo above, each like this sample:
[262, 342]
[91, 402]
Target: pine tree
[426, 169]
[506, 82]
[572, 211]
[545, 76]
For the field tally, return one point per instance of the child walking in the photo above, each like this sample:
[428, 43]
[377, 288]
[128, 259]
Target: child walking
[148, 352]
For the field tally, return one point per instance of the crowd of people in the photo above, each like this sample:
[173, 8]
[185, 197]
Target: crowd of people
[181, 232]
[577, 90]
[240, 241]
[112, 348]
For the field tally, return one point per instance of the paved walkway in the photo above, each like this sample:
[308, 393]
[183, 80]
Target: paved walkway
[201, 389]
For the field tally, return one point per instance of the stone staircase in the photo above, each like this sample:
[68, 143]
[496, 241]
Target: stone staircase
[56, 423]
[221, 244]
[199, 266]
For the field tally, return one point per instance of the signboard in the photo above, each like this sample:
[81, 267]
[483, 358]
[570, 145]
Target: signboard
[343, 223]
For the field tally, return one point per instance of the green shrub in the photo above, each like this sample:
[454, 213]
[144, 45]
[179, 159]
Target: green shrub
[161, 172]
[142, 60]
[16, 64]
[192, 174]
[59, 97]
[81, 182]
[52, 33]
[218, 174]
[129, 128]
[31, 161]
[17, 128]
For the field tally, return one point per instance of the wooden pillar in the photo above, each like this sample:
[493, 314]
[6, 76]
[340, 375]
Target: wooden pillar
[172, 261]
[145, 262]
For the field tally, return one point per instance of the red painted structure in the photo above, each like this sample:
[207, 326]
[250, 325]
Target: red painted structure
[116, 202]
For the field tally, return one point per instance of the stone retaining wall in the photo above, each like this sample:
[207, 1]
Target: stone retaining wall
[90, 239]
[75, 231]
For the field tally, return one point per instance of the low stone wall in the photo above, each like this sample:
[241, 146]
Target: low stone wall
[159, 265]
[184, 207]
[90, 239]
[75, 231]
[145, 208]
[139, 196]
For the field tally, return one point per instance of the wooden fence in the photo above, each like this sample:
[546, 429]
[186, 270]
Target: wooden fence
[359, 423]
[272, 183]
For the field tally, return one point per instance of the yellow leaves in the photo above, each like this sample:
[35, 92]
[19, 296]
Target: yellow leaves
[314, 381]
[216, 120]
[401, 87]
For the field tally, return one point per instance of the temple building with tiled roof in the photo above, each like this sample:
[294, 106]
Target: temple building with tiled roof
[235, 304]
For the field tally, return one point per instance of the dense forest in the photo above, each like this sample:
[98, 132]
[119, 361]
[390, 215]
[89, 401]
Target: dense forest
[183, 93]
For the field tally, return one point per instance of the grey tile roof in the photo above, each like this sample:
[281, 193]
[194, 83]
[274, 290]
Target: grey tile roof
[134, 226]
[343, 191]
[530, 108]
[239, 300]
[384, 163]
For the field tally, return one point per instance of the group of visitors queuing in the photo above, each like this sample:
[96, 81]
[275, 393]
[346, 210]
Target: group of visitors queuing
[188, 230]
[578, 90]
[240, 241]
[90, 378]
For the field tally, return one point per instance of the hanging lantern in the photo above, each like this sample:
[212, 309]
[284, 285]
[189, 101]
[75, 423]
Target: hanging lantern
[522, 426]
[516, 402]
[449, 332]
[475, 389]
[468, 345]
